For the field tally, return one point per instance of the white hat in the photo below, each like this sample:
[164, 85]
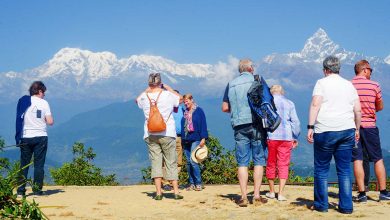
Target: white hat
[199, 154]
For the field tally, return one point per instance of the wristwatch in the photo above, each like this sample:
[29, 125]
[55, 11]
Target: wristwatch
[310, 126]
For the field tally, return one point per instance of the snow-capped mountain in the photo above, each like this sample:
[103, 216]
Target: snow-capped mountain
[80, 74]
[387, 59]
[73, 73]
[299, 70]
[91, 67]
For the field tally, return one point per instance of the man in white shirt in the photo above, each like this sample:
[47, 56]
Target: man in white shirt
[34, 136]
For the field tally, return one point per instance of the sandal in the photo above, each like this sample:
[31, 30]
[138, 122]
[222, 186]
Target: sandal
[259, 201]
[177, 197]
[198, 188]
[191, 187]
[243, 203]
[158, 197]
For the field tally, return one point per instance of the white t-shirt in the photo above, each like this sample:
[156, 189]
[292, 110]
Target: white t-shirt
[338, 100]
[34, 118]
[165, 104]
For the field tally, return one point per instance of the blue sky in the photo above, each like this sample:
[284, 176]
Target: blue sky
[201, 31]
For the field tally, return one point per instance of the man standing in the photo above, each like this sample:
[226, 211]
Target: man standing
[334, 121]
[371, 101]
[34, 113]
[249, 140]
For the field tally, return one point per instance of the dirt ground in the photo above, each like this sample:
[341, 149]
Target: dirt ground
[214, 202]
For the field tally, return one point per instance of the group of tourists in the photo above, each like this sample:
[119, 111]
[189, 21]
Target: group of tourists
[342, 124]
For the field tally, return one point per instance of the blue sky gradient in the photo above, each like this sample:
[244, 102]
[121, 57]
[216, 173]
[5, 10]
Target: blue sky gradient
[201, 31]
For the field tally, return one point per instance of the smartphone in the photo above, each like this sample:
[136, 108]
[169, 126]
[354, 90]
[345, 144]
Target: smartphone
[162, 85]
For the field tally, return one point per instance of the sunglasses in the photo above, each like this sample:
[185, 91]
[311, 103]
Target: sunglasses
[371, 70]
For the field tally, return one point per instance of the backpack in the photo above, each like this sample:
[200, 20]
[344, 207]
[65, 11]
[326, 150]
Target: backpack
[262, 105]
[156, 122]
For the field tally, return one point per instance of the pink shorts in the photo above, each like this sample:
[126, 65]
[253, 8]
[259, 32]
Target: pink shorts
[279, 154]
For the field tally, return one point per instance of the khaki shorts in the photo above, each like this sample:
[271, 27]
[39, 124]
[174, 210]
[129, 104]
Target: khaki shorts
[162, 148]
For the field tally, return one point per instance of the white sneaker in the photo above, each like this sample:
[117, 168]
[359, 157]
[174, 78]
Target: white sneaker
[270, 195]
[281, 198]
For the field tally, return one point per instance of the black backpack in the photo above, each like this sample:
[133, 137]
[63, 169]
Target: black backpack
[262, 105]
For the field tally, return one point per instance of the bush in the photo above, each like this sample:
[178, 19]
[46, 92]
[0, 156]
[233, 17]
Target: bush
[81, 171]
[10, 207]
[221, 168]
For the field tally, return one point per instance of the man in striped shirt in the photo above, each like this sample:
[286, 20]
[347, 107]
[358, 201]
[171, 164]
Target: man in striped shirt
[370, 96]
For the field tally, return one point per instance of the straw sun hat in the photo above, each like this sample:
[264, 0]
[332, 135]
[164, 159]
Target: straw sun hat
[199, 154]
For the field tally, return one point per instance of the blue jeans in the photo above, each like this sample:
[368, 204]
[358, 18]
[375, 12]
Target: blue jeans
[38, 147]
[249, 142]
[193, 169]
[339, 144]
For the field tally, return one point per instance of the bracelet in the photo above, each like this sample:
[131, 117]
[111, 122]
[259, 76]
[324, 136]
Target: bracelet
[310, 126]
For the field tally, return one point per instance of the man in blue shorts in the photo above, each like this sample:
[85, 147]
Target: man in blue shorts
[249, 140]
[370, 97]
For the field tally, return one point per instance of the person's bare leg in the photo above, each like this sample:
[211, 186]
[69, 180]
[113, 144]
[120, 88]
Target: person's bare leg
[359, 174]
[271, 185]
[257, 178]
[175, 186]
[243, 179]
[282, 183]
[380, 173]
[157, 184]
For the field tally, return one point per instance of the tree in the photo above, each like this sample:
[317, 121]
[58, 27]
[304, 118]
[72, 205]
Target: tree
[81, 171]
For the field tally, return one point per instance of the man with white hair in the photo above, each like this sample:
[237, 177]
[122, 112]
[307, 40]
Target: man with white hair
[249, 140]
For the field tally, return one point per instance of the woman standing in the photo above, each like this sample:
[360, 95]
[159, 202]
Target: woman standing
[193, 134]
[162, 144]
[281, 141]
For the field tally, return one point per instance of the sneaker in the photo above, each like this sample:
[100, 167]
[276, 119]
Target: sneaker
[360, 198]
[384, 196]
[198, 188]
[20, 196]
[270, 195]
[281, 198]
[243, 203]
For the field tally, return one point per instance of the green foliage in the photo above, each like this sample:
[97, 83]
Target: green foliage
[10, 207]
[221, 168]
[81, 171]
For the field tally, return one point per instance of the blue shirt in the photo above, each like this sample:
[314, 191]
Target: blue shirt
[288, 129]
[178, 116]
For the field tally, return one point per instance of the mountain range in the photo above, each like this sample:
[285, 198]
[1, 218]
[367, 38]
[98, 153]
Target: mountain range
[91, 97]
